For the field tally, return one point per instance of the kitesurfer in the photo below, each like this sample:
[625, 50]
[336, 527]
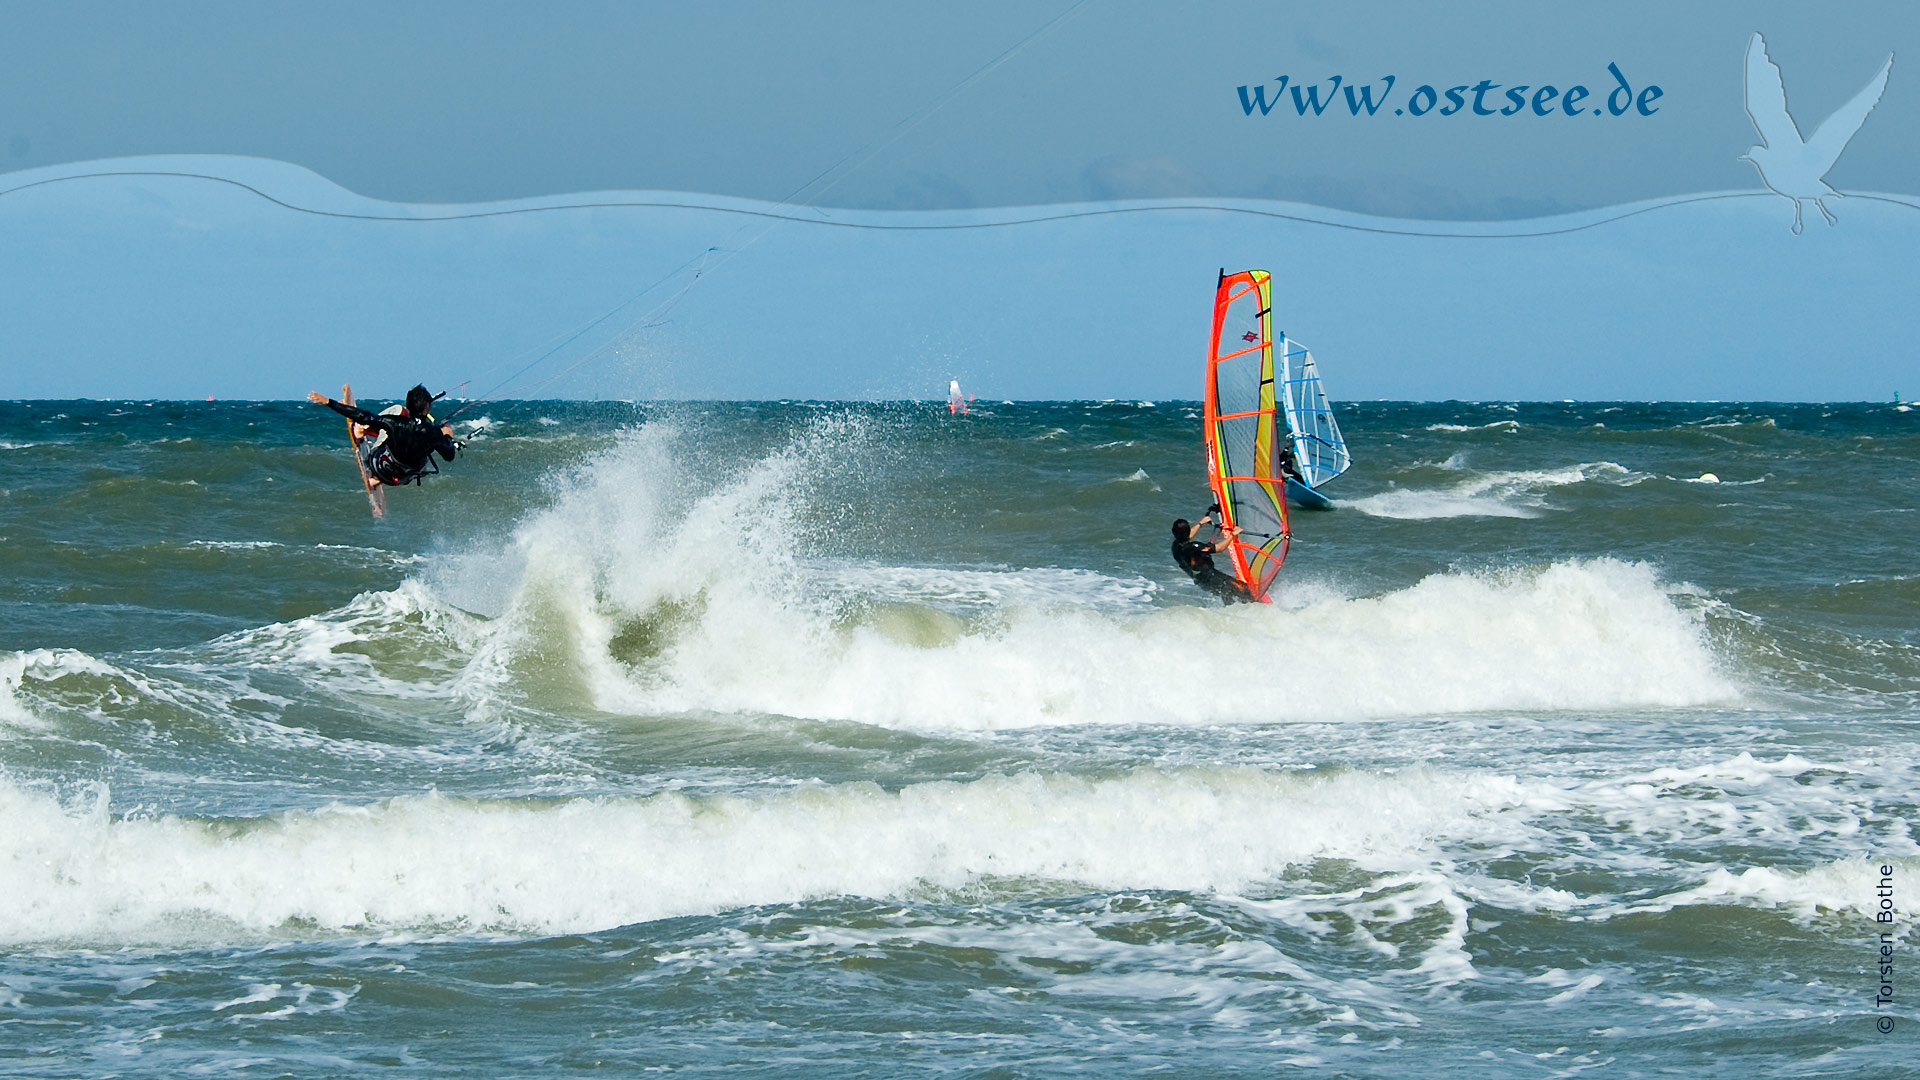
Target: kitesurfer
[1196, 558]
[408, 437]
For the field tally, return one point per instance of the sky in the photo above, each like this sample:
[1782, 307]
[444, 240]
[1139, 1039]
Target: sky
[153, 287]
[479, 100]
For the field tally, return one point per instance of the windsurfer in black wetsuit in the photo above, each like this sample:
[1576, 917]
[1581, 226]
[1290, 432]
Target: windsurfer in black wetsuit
[408, 436]
[1289, 467]
[1196, 558]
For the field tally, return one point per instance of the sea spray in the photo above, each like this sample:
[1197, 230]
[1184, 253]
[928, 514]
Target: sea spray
[1572, 635]
[652, 590]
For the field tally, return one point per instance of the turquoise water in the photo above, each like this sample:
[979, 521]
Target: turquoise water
[828, 739]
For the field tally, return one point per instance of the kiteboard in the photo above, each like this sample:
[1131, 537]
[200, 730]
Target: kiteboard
[1244, 428]
[376, 494]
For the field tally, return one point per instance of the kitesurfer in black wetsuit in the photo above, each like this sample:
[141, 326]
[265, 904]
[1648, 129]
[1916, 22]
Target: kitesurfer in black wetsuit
[408, 439]
[1196, 558]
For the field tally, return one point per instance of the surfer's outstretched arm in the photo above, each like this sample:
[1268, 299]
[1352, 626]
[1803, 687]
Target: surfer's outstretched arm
[352, 412]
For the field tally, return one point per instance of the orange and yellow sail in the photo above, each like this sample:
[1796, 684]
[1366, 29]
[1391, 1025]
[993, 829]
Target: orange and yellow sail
[1244, 429]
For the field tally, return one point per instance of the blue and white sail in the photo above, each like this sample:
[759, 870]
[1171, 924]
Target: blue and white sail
[1319, 452]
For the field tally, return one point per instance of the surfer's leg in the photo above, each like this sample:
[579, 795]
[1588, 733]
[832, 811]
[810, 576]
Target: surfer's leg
[1229, 590]
[381, 468]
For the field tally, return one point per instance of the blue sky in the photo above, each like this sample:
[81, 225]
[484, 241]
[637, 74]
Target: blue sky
[145, 287]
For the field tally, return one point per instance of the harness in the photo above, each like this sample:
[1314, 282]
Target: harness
[387, 469]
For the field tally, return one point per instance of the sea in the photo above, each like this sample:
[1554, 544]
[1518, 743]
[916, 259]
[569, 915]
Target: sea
[861, 739]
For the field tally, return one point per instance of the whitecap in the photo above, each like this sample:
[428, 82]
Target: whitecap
[1518, 494]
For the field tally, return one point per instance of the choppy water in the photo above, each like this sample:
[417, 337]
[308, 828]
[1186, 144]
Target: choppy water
[862, 740]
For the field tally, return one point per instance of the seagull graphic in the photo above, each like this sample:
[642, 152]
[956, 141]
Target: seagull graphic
[1789, 165]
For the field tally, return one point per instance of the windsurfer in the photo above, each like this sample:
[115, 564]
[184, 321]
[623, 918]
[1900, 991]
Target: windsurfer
[1289, 466]
[408, 437]
[1196, 558]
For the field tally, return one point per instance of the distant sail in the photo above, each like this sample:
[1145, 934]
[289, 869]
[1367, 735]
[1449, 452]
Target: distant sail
[1318, 450]
[956, 402]
[1244, 429]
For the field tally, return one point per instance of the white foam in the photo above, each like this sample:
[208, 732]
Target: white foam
[1713, 478]
[434, 863]
[974, 591]
[45, 666]
[1071, 953]
[430, 652]
[14, 714]
[1412, 504]
[1430, 845]
[1519, 494]
[1497, 425]
[740, 624]
[1844, 885]
[235, 545]
[300, 999]
[1573, 636]
[70, 872]
[441, 640]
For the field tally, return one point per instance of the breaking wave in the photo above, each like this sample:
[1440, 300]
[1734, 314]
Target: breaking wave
[662, 603]
[436, 864]
[1521, 494]
[660, 583]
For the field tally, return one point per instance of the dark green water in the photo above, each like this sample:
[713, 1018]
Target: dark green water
[822, 739]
